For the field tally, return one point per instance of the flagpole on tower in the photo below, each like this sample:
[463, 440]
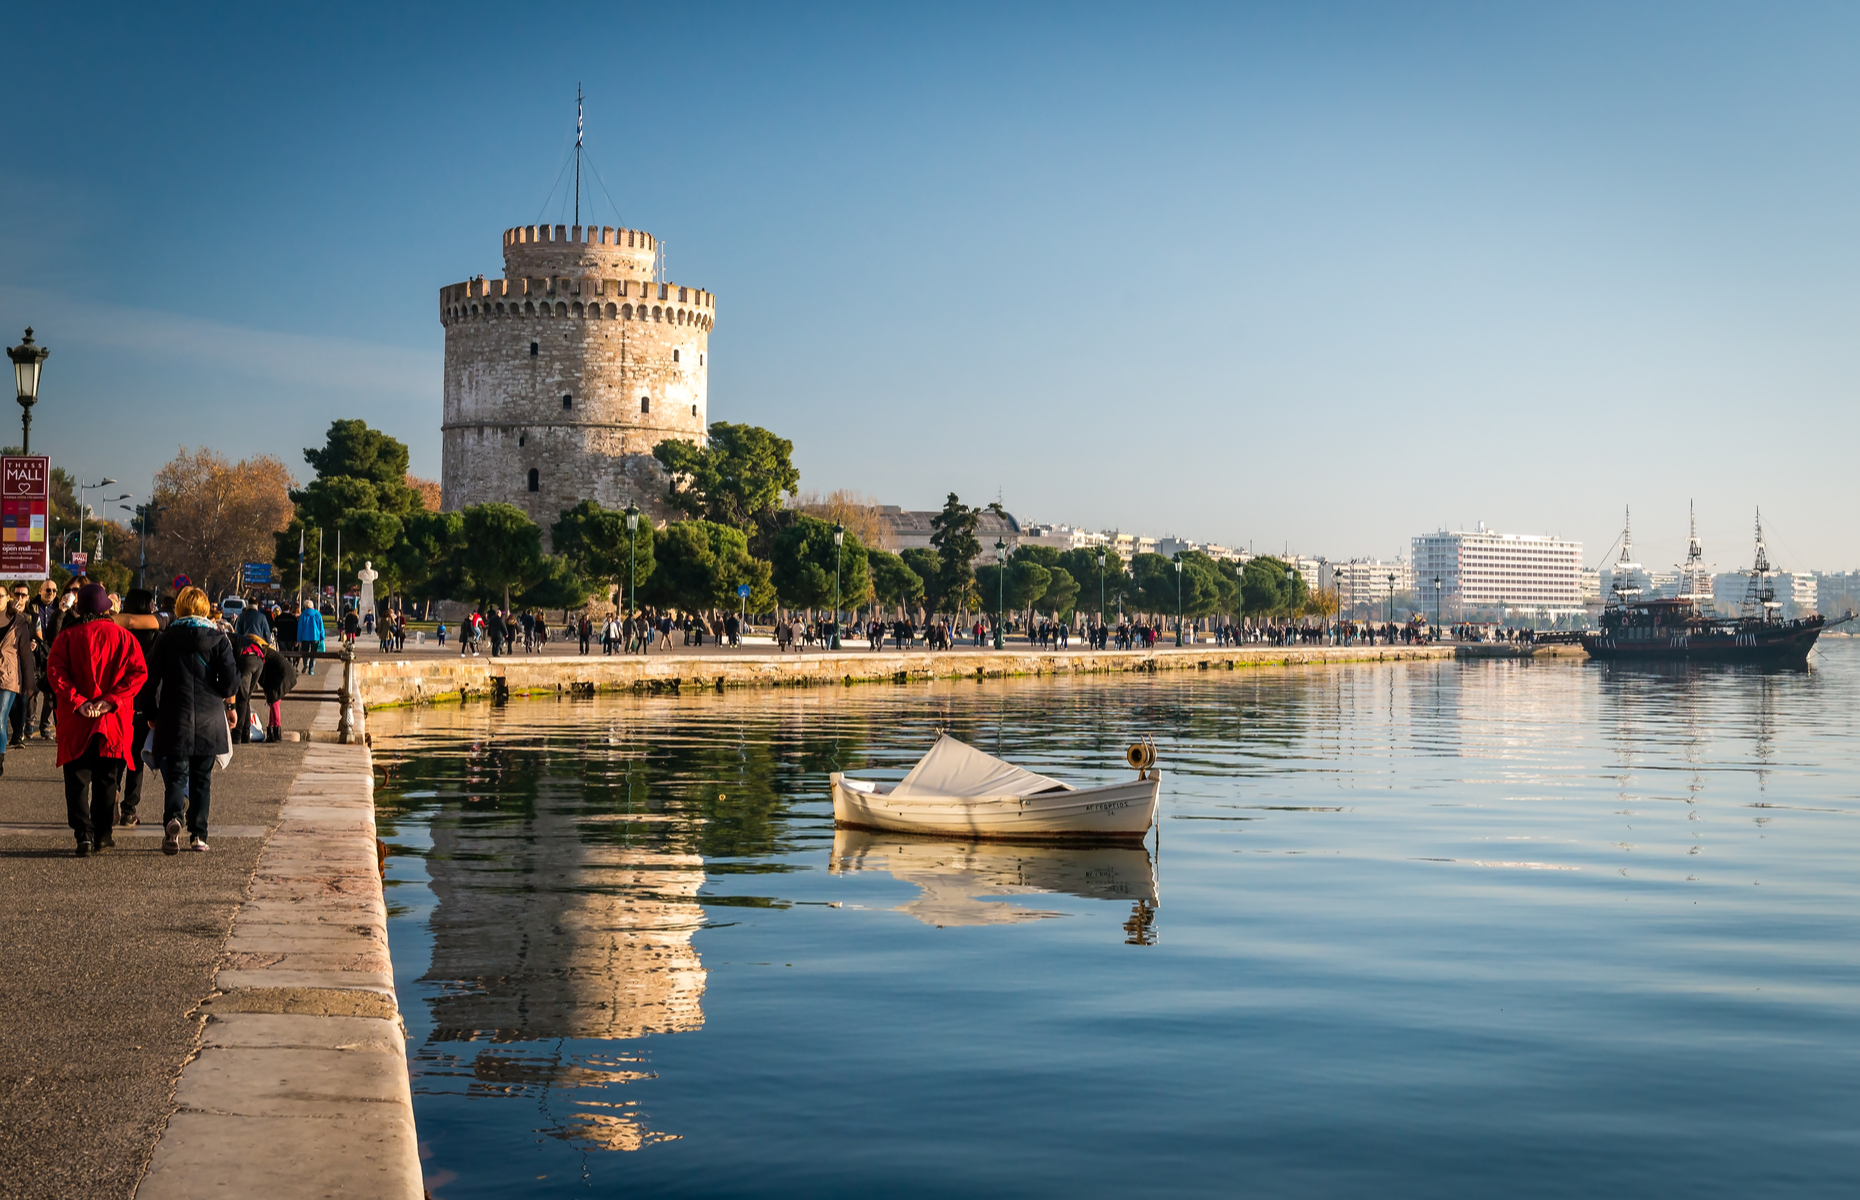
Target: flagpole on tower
[578, 154]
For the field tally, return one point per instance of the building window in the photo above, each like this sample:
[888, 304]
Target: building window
[645, 404]
[535, 480]
[700, 358]
[674, 356]
[568, 402]
[535, 349]
[520, 439]
[694, 410]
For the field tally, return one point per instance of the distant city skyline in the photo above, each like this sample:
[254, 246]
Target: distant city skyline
[1241, 274]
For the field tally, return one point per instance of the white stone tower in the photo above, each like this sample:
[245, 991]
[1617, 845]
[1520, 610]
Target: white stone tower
[562, 376]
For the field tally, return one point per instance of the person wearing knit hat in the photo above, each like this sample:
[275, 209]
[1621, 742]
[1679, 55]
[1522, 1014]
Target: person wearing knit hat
[95, 669]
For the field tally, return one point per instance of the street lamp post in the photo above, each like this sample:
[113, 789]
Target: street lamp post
[839, 539]
[1178, 602]
[1100, 590]
[1391, 598]
[82, 509]
[1000, 592]
[632, 544]
[1291, 590]
[1436, 606]
[28, 357]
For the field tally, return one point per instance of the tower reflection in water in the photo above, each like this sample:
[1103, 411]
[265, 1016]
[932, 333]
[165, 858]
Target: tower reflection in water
[559, 922]
[569, 844]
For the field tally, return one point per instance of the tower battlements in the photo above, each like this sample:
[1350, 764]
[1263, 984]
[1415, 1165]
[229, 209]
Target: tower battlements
[583, 296]
[579, 249]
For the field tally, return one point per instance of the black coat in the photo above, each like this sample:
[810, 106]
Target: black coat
[193, 673]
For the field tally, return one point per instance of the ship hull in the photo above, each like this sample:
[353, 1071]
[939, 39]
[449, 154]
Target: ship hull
[1759, 647]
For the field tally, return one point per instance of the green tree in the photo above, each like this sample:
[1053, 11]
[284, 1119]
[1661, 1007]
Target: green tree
[555, 584]
[1266, 592]
[1155, 584]
[1018, 585]
[738, 478]
[598, 543]
[953, 538]
[427, 559]
[700, 565]
[1082, 565]
[893, 580]
[351, 450]
[804, 565]
[1062, 589]
[500, 548]
[1213, 591]
[928, 567]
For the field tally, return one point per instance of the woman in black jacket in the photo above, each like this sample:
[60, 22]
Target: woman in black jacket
[193, 675]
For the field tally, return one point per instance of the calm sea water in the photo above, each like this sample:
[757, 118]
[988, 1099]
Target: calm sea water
[1407, 930]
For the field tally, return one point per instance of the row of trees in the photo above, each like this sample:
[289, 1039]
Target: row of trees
[741, 528]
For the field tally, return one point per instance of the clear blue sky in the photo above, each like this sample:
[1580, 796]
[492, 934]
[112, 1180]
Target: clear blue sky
[1326, 275]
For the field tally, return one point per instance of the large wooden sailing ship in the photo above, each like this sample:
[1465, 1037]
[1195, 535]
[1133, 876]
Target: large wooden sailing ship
[1676, 629]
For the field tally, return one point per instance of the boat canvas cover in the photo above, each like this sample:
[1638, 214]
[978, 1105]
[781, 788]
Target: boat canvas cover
[954, 768]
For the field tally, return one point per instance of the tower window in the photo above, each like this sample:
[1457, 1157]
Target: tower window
[674, 356]
[520, 439]
[645, 404]
[535, 480]
[700, 358]
[694, 410]
[535, 349]
[568, 402]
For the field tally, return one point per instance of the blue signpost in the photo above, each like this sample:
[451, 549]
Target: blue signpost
[257, 574]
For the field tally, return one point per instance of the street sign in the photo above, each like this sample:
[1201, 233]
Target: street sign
[742, 589]
[181, 581]
[257, 574]
[25, 496]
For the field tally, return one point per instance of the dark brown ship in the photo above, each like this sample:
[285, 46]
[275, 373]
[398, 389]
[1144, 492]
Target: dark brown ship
[1675, 629]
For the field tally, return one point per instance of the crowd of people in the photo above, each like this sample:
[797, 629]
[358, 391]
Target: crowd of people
[123, 685]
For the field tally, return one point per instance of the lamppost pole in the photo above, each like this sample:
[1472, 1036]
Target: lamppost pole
[1178, 601]
[28, 358]
[1391, 598]
[1100, 589]
[1436, 606]
[839, 539]
[1000, 592]
[632, 545]
[83, 509]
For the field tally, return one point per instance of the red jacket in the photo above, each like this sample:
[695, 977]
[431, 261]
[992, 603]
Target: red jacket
[97, 660]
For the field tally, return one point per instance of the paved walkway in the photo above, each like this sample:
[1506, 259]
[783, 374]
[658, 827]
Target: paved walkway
[103, 961]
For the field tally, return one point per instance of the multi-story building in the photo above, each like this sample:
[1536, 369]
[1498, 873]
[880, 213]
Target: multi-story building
[1481, 572]
[1796, 591]
[1837, 592]
[1365, 585]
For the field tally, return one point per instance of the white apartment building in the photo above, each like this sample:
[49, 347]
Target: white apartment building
[1481, 571]
[1060, 537]
[1363, 584]
[1798, 593]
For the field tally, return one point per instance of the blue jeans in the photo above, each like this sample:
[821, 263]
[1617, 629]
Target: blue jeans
[188, 787]
[7, 701]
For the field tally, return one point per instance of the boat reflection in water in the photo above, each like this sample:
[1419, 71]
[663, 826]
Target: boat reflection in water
[560, 935]
[967, 883]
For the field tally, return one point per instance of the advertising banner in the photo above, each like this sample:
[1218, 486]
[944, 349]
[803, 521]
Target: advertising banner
[25, 498]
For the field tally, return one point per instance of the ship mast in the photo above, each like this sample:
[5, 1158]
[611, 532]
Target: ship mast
[1760, 595]
[1690, 574]
[1625, 565]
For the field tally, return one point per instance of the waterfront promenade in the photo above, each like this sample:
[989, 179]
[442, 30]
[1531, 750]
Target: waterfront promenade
[203, 1024]
[429, 674]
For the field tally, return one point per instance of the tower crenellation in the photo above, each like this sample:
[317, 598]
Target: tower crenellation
[561, 377]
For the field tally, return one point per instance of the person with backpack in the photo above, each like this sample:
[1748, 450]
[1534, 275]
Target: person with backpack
[195, 673]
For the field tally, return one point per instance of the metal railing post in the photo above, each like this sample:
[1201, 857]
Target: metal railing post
[345, 726]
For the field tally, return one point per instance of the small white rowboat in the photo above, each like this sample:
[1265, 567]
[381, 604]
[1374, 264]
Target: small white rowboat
[957, 790]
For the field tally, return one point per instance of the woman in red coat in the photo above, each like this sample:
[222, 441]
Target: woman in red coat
[95, 669]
